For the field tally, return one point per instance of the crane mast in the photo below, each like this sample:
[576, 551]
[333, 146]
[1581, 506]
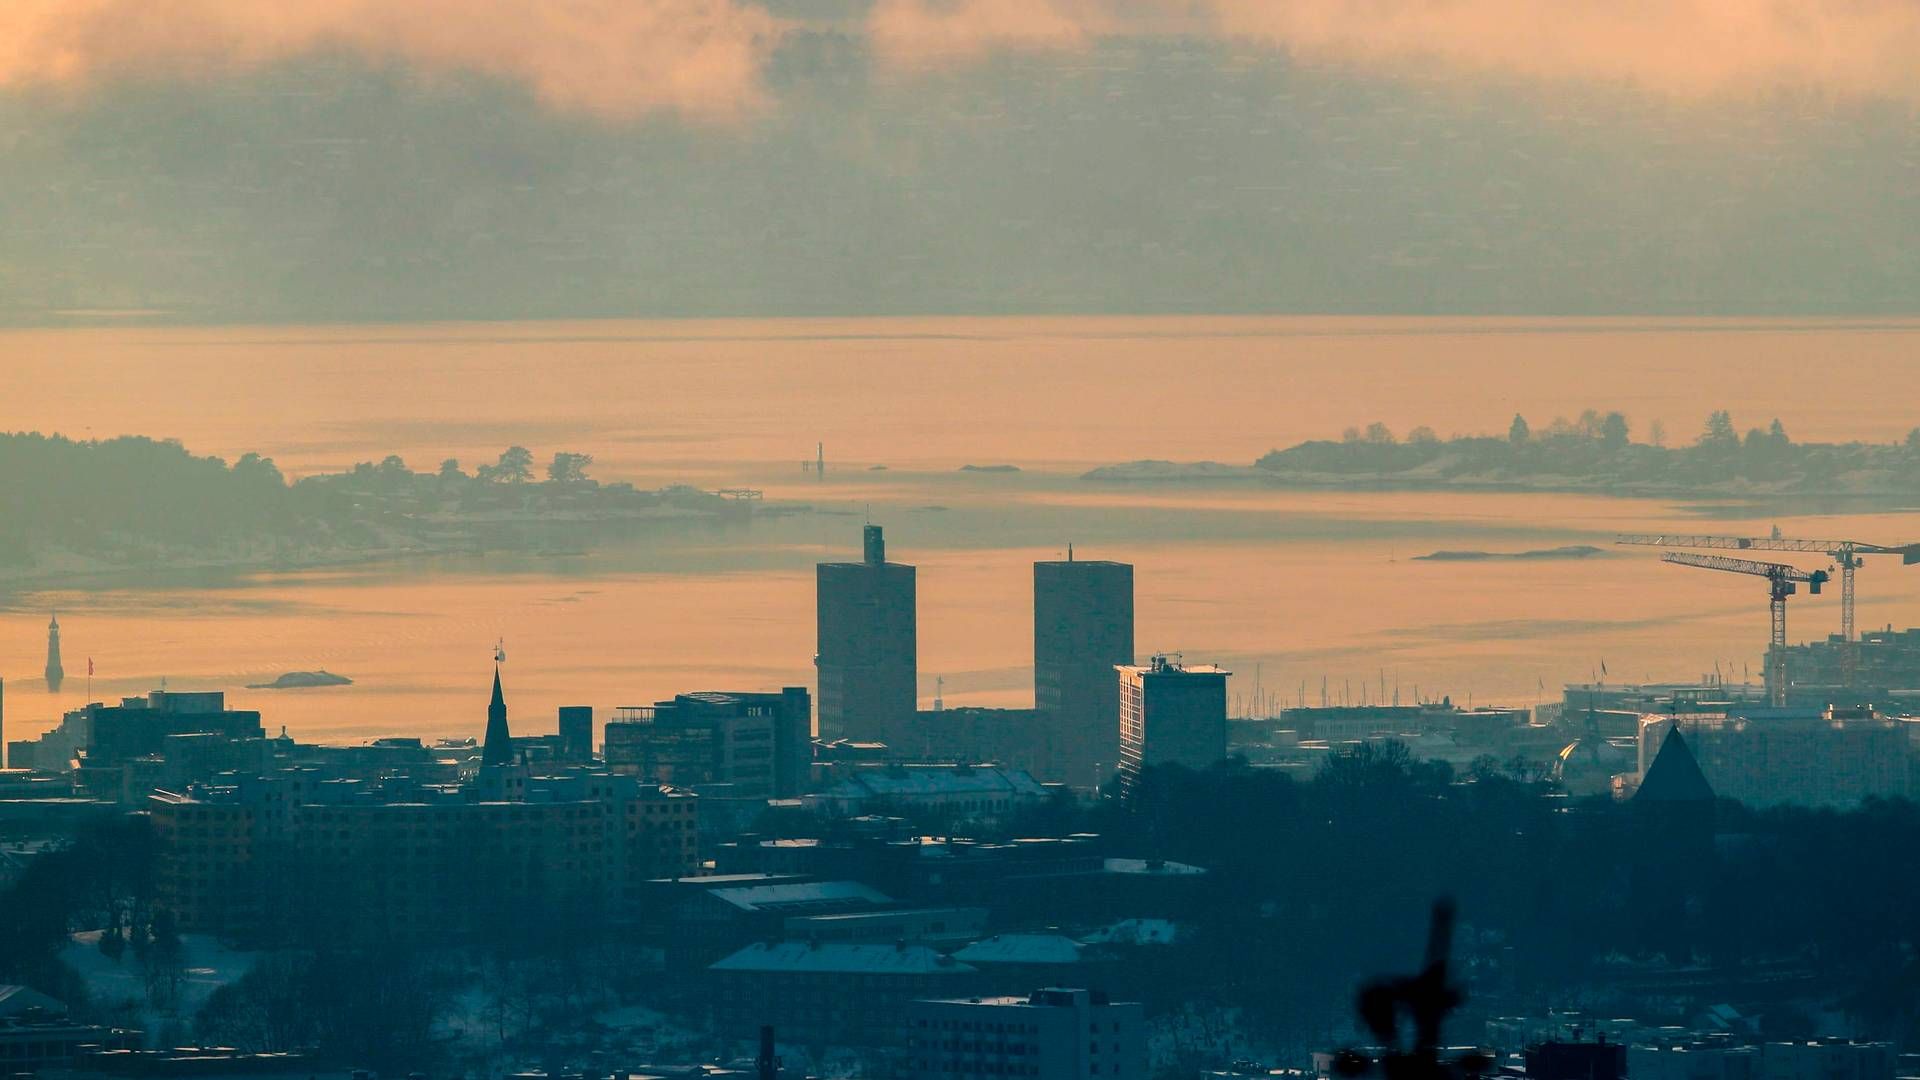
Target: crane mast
[1782, 581]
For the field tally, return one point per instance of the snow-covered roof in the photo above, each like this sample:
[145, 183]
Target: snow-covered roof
[1135, 932]
[1152, 866]
[924, 782]
[841, 958]
[803, 895]
[1021, 949]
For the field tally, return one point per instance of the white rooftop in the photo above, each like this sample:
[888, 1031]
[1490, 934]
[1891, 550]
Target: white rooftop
[841, 958]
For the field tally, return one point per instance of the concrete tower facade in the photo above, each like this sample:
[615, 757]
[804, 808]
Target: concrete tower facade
[867, 654]
[1082, 630]
[1170, 715]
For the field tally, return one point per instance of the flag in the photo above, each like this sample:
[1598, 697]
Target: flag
[1603, 667]
[89, 667]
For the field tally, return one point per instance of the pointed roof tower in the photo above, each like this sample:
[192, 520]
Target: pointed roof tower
[1674, 776]
[55, 673]
[498, 748]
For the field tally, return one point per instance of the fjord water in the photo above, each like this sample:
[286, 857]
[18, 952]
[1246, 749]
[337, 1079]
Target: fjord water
[1298, 586]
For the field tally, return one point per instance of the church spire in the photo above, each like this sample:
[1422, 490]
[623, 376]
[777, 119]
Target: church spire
[498, 749]
[55, 673]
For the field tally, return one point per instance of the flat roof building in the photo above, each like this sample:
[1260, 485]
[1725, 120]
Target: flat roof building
[1170, 715]
[1082, 630]
[867, 652]
[1809, 757]
[1050, 1034]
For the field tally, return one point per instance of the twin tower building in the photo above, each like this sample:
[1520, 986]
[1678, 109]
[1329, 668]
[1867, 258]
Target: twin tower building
[1082, 630]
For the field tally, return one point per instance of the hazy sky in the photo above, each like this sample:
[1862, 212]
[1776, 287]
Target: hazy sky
[225, 159]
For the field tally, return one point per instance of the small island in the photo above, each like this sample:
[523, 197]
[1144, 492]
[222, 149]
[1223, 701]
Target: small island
[300, 680]
[134, 505]
[1594, 453]
[1570, 551]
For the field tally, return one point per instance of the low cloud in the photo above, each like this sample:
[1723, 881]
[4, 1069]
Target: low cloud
[615, 58]
[1684, 48]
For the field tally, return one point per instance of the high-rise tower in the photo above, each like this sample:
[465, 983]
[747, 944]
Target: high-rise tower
[867, 652]
[1170, 715]
[1082, 630]
[498, 749]
[55, 673]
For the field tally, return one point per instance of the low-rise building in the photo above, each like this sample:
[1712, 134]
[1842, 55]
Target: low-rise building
[1050, 1034]
[1810, 757]
[965, 792]
[831, 993]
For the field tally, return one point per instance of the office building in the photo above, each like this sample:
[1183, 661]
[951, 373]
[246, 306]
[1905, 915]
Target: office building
[1050, 1034]
[867, 651]
[1082, 630]
[1831, 756]
[958, 792]
[402, 858]
[576, 733]
[830, 993]
[139, 726]
[758, 743]
[1170, 715]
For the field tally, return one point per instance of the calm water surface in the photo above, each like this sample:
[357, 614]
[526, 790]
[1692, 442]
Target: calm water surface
[1293, 586]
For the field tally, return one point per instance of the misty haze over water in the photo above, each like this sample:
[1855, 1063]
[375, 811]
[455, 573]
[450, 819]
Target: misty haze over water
[1303, 584]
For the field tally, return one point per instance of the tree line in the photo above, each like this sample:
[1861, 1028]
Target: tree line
[1600, 446]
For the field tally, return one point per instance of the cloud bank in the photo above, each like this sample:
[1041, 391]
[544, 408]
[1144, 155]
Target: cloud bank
[615, 58]
[1685, 48]
[706, 58]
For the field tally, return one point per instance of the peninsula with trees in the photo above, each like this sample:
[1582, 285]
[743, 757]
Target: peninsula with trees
[1596, 452]
[133, 504]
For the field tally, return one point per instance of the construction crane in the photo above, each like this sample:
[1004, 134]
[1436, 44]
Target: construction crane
[1781, 583]
[1846, 554]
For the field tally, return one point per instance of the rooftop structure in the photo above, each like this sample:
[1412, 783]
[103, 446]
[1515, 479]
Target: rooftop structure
[867, 652]
[1170, 714]
[1810, 757]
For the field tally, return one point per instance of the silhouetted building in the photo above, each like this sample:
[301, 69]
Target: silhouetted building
[576, 733]
[1673, 813]
[55, 673]
[1170, 715]
[957, 792]
[1014, 738]
[867, 653]
[831, 993]
[374, 860]
[1563, 1060]
[139, 726]
[1082, 630]
[1809, 757]
[498, 747]
[759, 743]
[1050, 1034]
